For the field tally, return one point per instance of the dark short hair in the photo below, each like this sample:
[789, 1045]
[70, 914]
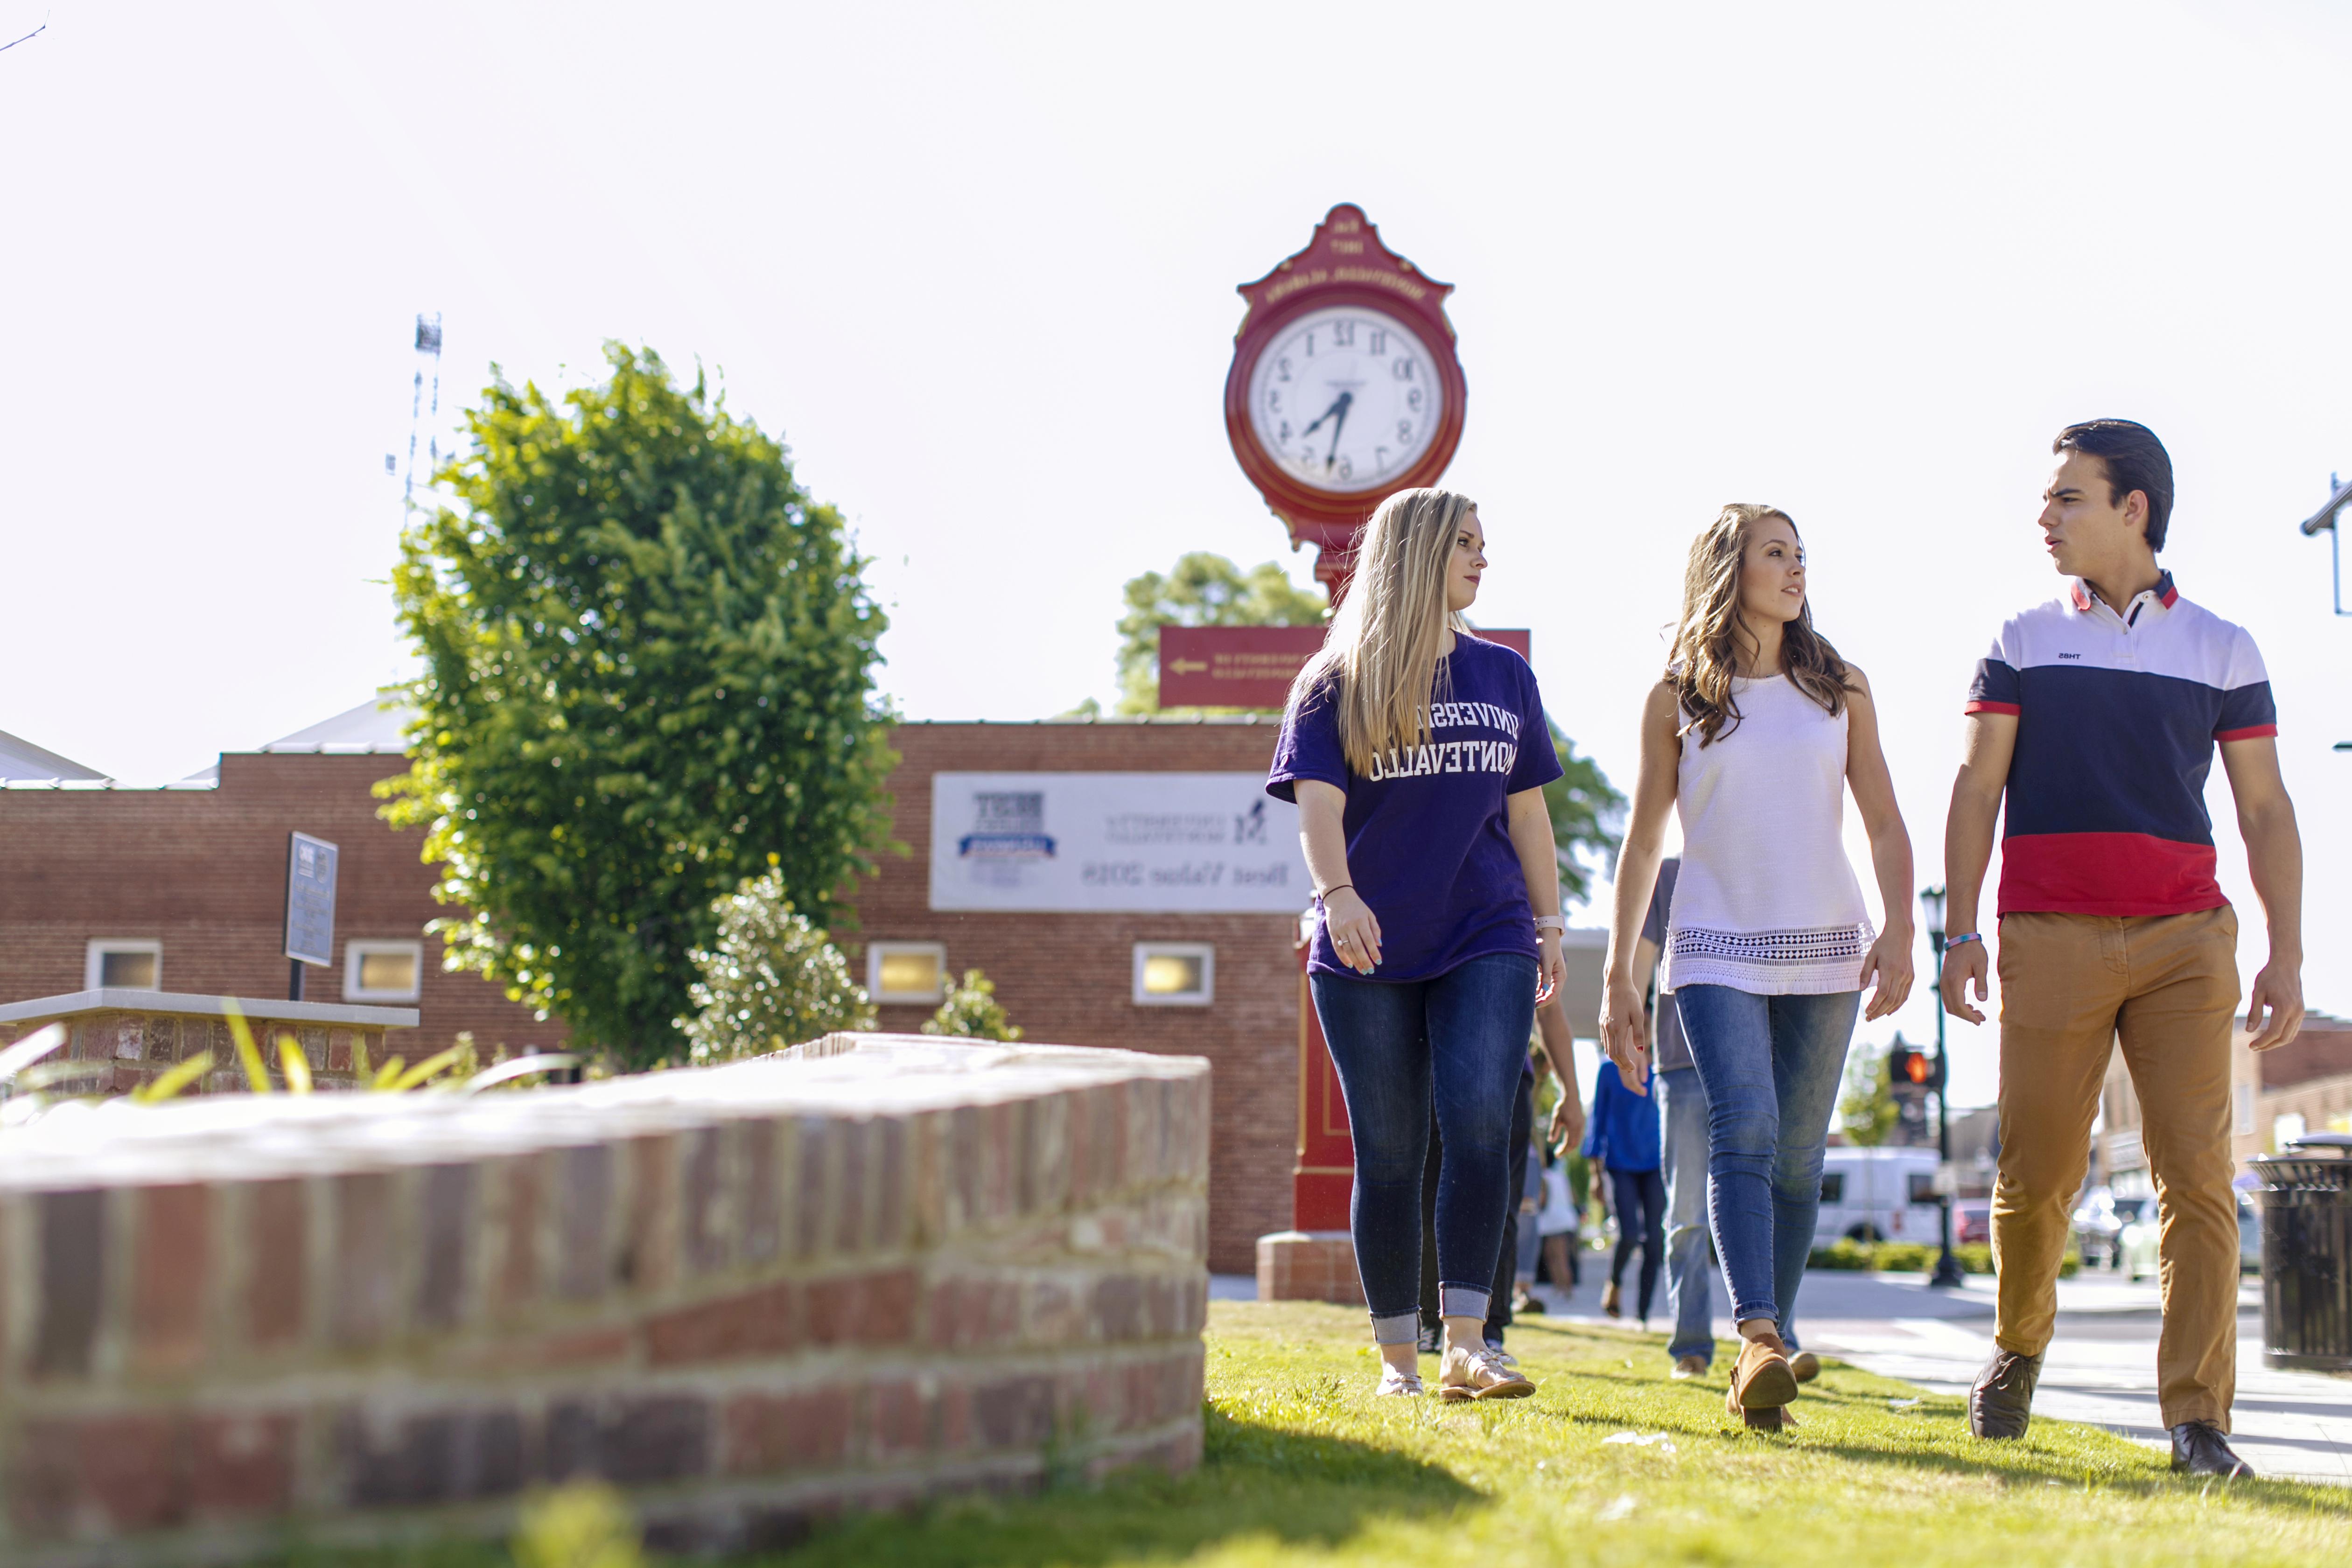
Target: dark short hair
[2135, 460]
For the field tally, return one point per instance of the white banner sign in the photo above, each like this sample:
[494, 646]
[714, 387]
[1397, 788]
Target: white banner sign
[1138, 842]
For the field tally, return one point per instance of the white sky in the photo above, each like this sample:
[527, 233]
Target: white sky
[976, 264]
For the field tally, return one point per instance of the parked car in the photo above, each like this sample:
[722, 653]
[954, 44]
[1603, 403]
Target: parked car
[1972, 1222]
[2099, 1223]
[2137, 1241]
[1878, 1194]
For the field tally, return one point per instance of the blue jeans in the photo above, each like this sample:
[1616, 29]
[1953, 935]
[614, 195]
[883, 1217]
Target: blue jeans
[1771, 1067]
[1682, 1116]
[1453, 1045]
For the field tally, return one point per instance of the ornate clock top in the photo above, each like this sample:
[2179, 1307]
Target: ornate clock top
[1346, 249]
[1345, 387]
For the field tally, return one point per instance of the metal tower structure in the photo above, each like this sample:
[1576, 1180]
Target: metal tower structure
[428, 358]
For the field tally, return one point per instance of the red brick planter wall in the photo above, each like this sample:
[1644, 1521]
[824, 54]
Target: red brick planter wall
[751, 1296]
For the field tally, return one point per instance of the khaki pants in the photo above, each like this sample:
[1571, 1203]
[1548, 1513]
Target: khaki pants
[2168, 986]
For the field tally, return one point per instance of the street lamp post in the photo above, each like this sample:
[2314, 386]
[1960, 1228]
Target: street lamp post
[1948, 1266]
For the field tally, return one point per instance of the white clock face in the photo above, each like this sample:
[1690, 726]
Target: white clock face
[1346, 399]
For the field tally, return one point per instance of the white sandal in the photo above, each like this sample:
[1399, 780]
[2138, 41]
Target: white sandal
[1397, 1380]
[1479, 1373]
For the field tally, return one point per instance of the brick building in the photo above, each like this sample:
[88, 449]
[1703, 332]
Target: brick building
[183, 888]
[1071, 978]
[2302, 1086]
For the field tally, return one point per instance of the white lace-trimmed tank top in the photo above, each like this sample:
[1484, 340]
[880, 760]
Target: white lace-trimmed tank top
[1767, 902]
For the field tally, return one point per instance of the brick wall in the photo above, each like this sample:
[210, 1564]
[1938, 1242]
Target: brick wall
[129, 1048]
[1068, 977]
[203, 870]
[751, 1296]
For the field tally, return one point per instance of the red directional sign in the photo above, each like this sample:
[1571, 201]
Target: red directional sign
[1250, 666]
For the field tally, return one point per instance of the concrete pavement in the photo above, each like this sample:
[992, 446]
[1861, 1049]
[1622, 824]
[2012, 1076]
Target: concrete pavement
[2101, 1368]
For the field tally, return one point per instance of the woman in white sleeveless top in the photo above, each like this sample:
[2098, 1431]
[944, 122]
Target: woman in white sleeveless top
[1754, 736]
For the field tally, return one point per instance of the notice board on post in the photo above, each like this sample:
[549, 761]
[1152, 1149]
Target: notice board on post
[310, 900]
[1252, 666]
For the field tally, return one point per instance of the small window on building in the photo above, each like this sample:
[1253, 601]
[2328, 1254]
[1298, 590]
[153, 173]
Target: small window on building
[382, 971]
[1175, 974]
[907, 971]
[129, 963]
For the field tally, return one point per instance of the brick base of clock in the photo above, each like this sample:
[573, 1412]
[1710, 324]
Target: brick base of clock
[1309, 1266]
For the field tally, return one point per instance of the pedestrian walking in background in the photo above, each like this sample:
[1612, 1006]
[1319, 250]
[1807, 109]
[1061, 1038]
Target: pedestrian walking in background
[1682, 1150]
[1623, 1141]
[1555, 1225]
[2096, 716]
[1417, 755]
[1753, 737]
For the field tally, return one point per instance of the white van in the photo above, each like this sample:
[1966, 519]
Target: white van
[1878, 1194]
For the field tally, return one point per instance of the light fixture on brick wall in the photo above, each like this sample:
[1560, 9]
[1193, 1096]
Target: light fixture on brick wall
[912, 973]
[1175, 974]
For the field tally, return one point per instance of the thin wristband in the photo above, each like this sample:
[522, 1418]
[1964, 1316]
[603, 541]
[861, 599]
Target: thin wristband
[1953, 942]
[1327, 892]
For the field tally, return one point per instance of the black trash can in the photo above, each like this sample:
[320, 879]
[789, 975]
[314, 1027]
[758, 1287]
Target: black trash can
[2307, 1206]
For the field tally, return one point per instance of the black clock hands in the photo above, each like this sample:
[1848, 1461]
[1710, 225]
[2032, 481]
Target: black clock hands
[1338, 414]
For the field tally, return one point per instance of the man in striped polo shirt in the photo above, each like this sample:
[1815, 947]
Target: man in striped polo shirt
[2097, 714]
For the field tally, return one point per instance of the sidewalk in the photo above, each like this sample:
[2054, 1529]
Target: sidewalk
[2101, 1369]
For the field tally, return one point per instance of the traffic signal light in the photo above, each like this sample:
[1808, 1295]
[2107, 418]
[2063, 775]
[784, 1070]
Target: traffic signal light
[1909, 1065]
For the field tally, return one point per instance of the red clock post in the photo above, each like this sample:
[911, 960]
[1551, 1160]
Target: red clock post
[1345, 388]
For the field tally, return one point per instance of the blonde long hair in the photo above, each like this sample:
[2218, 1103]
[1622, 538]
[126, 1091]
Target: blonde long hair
[1706, 643]
[1382, 660]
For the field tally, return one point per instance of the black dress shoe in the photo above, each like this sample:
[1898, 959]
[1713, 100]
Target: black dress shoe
[2002, 1403]
[2199, 1447]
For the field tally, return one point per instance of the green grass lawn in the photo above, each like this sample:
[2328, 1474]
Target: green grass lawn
[1304, 1466]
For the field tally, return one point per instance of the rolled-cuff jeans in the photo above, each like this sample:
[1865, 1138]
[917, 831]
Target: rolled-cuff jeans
[1771, 1067]
[1453, 1044]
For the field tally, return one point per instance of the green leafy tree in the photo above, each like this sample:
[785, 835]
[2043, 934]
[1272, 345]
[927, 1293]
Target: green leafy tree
[772, 979]
[1867, 1111]
[1203, 590]
[648, 675]
[1587, 814]
[971, 1012]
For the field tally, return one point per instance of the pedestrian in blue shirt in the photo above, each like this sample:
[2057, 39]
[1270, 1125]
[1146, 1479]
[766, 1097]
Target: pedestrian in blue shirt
[1623, 1139]
[1417, 755]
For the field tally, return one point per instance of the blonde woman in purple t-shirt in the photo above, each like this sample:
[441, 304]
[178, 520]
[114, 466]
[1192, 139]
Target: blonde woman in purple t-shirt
[1417, 755]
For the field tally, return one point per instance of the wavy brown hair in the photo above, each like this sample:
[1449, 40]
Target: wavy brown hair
[1382, 658]
[1706, 642]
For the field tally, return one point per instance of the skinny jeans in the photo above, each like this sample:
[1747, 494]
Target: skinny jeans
[1452, 1046]
[1518, 1231]
[1769, 1066]
[1641, 1200]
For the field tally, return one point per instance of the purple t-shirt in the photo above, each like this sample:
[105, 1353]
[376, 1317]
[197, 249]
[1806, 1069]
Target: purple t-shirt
[1428, 842]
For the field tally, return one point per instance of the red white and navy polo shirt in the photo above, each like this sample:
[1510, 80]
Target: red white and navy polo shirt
[2117, 720]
